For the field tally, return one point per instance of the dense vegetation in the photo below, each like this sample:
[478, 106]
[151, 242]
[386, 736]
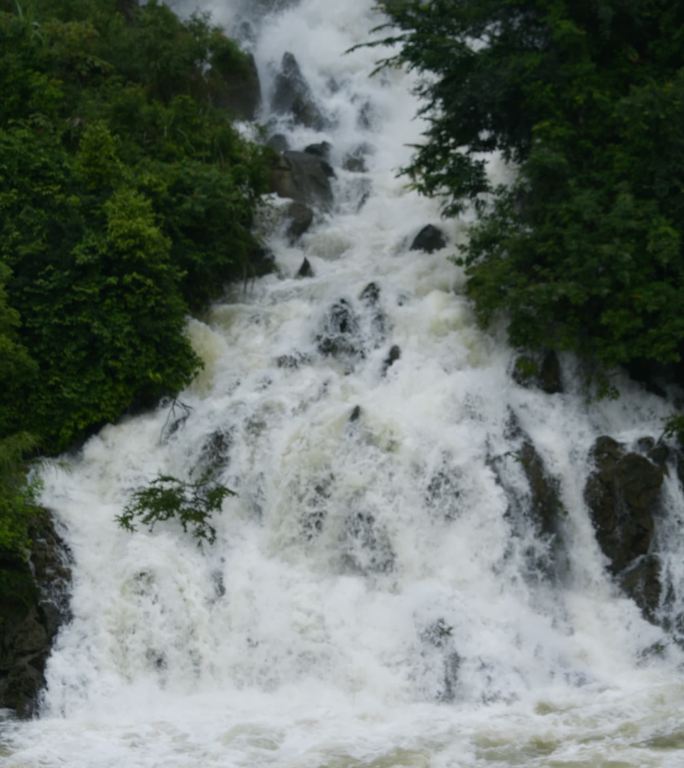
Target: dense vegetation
[126, 199]
[585, 99]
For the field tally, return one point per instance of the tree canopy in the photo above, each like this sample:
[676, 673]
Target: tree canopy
[126, 200]
[585, 99]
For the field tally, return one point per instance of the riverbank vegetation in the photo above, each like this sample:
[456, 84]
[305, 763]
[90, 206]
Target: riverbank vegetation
[126, 200]
[583, 251]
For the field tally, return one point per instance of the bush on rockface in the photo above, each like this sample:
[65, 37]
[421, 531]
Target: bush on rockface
[583, 251]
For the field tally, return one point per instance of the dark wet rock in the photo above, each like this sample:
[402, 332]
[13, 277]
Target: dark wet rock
[355, 164]
[304, 178]
[261, 262]
[443, 493]
[537, 501]
[542, 372]
[292, 360]
[623, 496]
[322, 150]
[305, 270]
[658, 452]
[215, 453]
[429, 239]
[236, 89]
[393, 355]
[546, 507]
[301, 218]
[640, 580]
[369, 550]
[278, 142]
[355, 161]
[34, 603]
[370, 295]
[341, 332]
[355, 415]
[292, 95]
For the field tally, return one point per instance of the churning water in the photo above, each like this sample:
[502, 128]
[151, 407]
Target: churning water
[378, 594]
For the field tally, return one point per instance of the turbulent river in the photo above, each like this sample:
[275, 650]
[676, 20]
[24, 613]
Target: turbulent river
[378, 594]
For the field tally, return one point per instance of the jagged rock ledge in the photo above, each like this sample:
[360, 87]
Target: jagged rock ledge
[34, 604]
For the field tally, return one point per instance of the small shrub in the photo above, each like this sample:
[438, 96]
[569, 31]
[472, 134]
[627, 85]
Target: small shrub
[167, 498]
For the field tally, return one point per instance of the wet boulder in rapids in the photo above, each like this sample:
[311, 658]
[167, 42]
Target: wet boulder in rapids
[292, 95]
[300, 220]
[340, 335]
[34, 603]
[303, 178]
[623, 496]
[429, 239]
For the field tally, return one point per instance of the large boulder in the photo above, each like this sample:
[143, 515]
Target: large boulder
[236, 89]
[623, 495]
[300, 218]
[34, 602]
[292, 96]
[304, 178]
[429, 239]
[340, 335]
[536, 500]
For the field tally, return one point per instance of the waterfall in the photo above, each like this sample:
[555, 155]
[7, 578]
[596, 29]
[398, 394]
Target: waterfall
[380, 592]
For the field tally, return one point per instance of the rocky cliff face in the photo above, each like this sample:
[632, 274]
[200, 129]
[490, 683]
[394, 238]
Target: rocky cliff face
[34, 603]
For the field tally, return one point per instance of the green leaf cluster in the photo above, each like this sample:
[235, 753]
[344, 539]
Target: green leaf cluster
[126, 201]
[585, 98]
[167, 498]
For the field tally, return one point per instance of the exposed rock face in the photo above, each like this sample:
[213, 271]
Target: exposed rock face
[341, 332]
[543, 373]
[303, 178]
[34, 602]
[322, 150]
[623, 496]
[429, 239]
[540, 503]
[278, 142]
[392, 356]
[237, 90]
[546, 507]
[301, 218]
[292, 95]
[305, 270]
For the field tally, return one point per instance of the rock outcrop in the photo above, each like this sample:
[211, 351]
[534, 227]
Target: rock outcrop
[340, 335]
[429, 239]
[292, 95]
[304, 178]
[34, 603]
[623, 495]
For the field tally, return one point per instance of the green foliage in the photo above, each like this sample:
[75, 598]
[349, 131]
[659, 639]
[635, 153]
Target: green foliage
[16, 495]
[583, 251]
[167, 498]
[126, 200]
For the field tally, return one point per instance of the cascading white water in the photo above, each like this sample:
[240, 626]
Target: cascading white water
[372, 599]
